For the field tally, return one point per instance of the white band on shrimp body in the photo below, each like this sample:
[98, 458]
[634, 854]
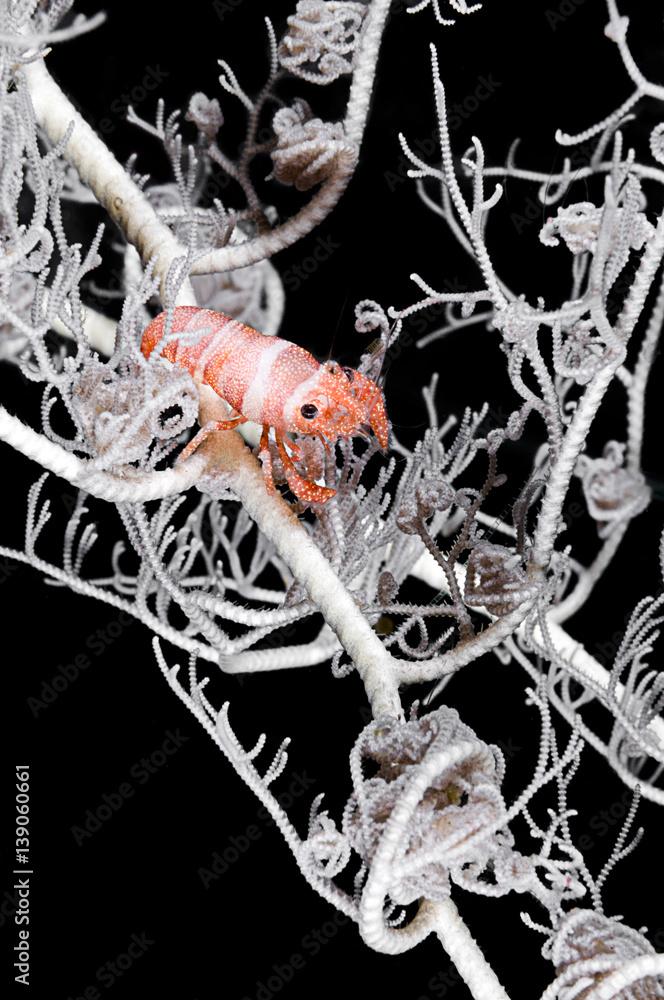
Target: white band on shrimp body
[254, 397]
[303, 394]
[226, 333]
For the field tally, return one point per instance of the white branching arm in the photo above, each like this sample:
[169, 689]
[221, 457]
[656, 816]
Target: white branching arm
[108, 180]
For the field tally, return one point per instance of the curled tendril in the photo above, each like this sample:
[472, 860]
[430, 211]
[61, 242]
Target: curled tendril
[657, 142]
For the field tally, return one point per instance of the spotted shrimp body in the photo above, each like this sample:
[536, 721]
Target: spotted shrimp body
[272, 382]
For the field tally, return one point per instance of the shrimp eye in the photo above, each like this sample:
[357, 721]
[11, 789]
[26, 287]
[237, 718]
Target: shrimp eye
[349, 373]
[309, 411]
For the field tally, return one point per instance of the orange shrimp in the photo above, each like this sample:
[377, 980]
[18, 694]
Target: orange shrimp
[274, 383]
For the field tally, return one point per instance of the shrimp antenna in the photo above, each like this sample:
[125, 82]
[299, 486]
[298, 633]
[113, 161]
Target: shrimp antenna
[330, 352]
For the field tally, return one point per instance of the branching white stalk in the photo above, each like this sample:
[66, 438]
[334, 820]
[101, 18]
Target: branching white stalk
[108, 180]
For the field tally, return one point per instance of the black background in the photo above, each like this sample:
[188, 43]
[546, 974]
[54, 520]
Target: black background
[141, 872]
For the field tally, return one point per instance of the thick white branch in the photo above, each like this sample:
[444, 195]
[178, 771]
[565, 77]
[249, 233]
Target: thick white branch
[107, 179]
[131, 487]
[466, 954]
[228, 457]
